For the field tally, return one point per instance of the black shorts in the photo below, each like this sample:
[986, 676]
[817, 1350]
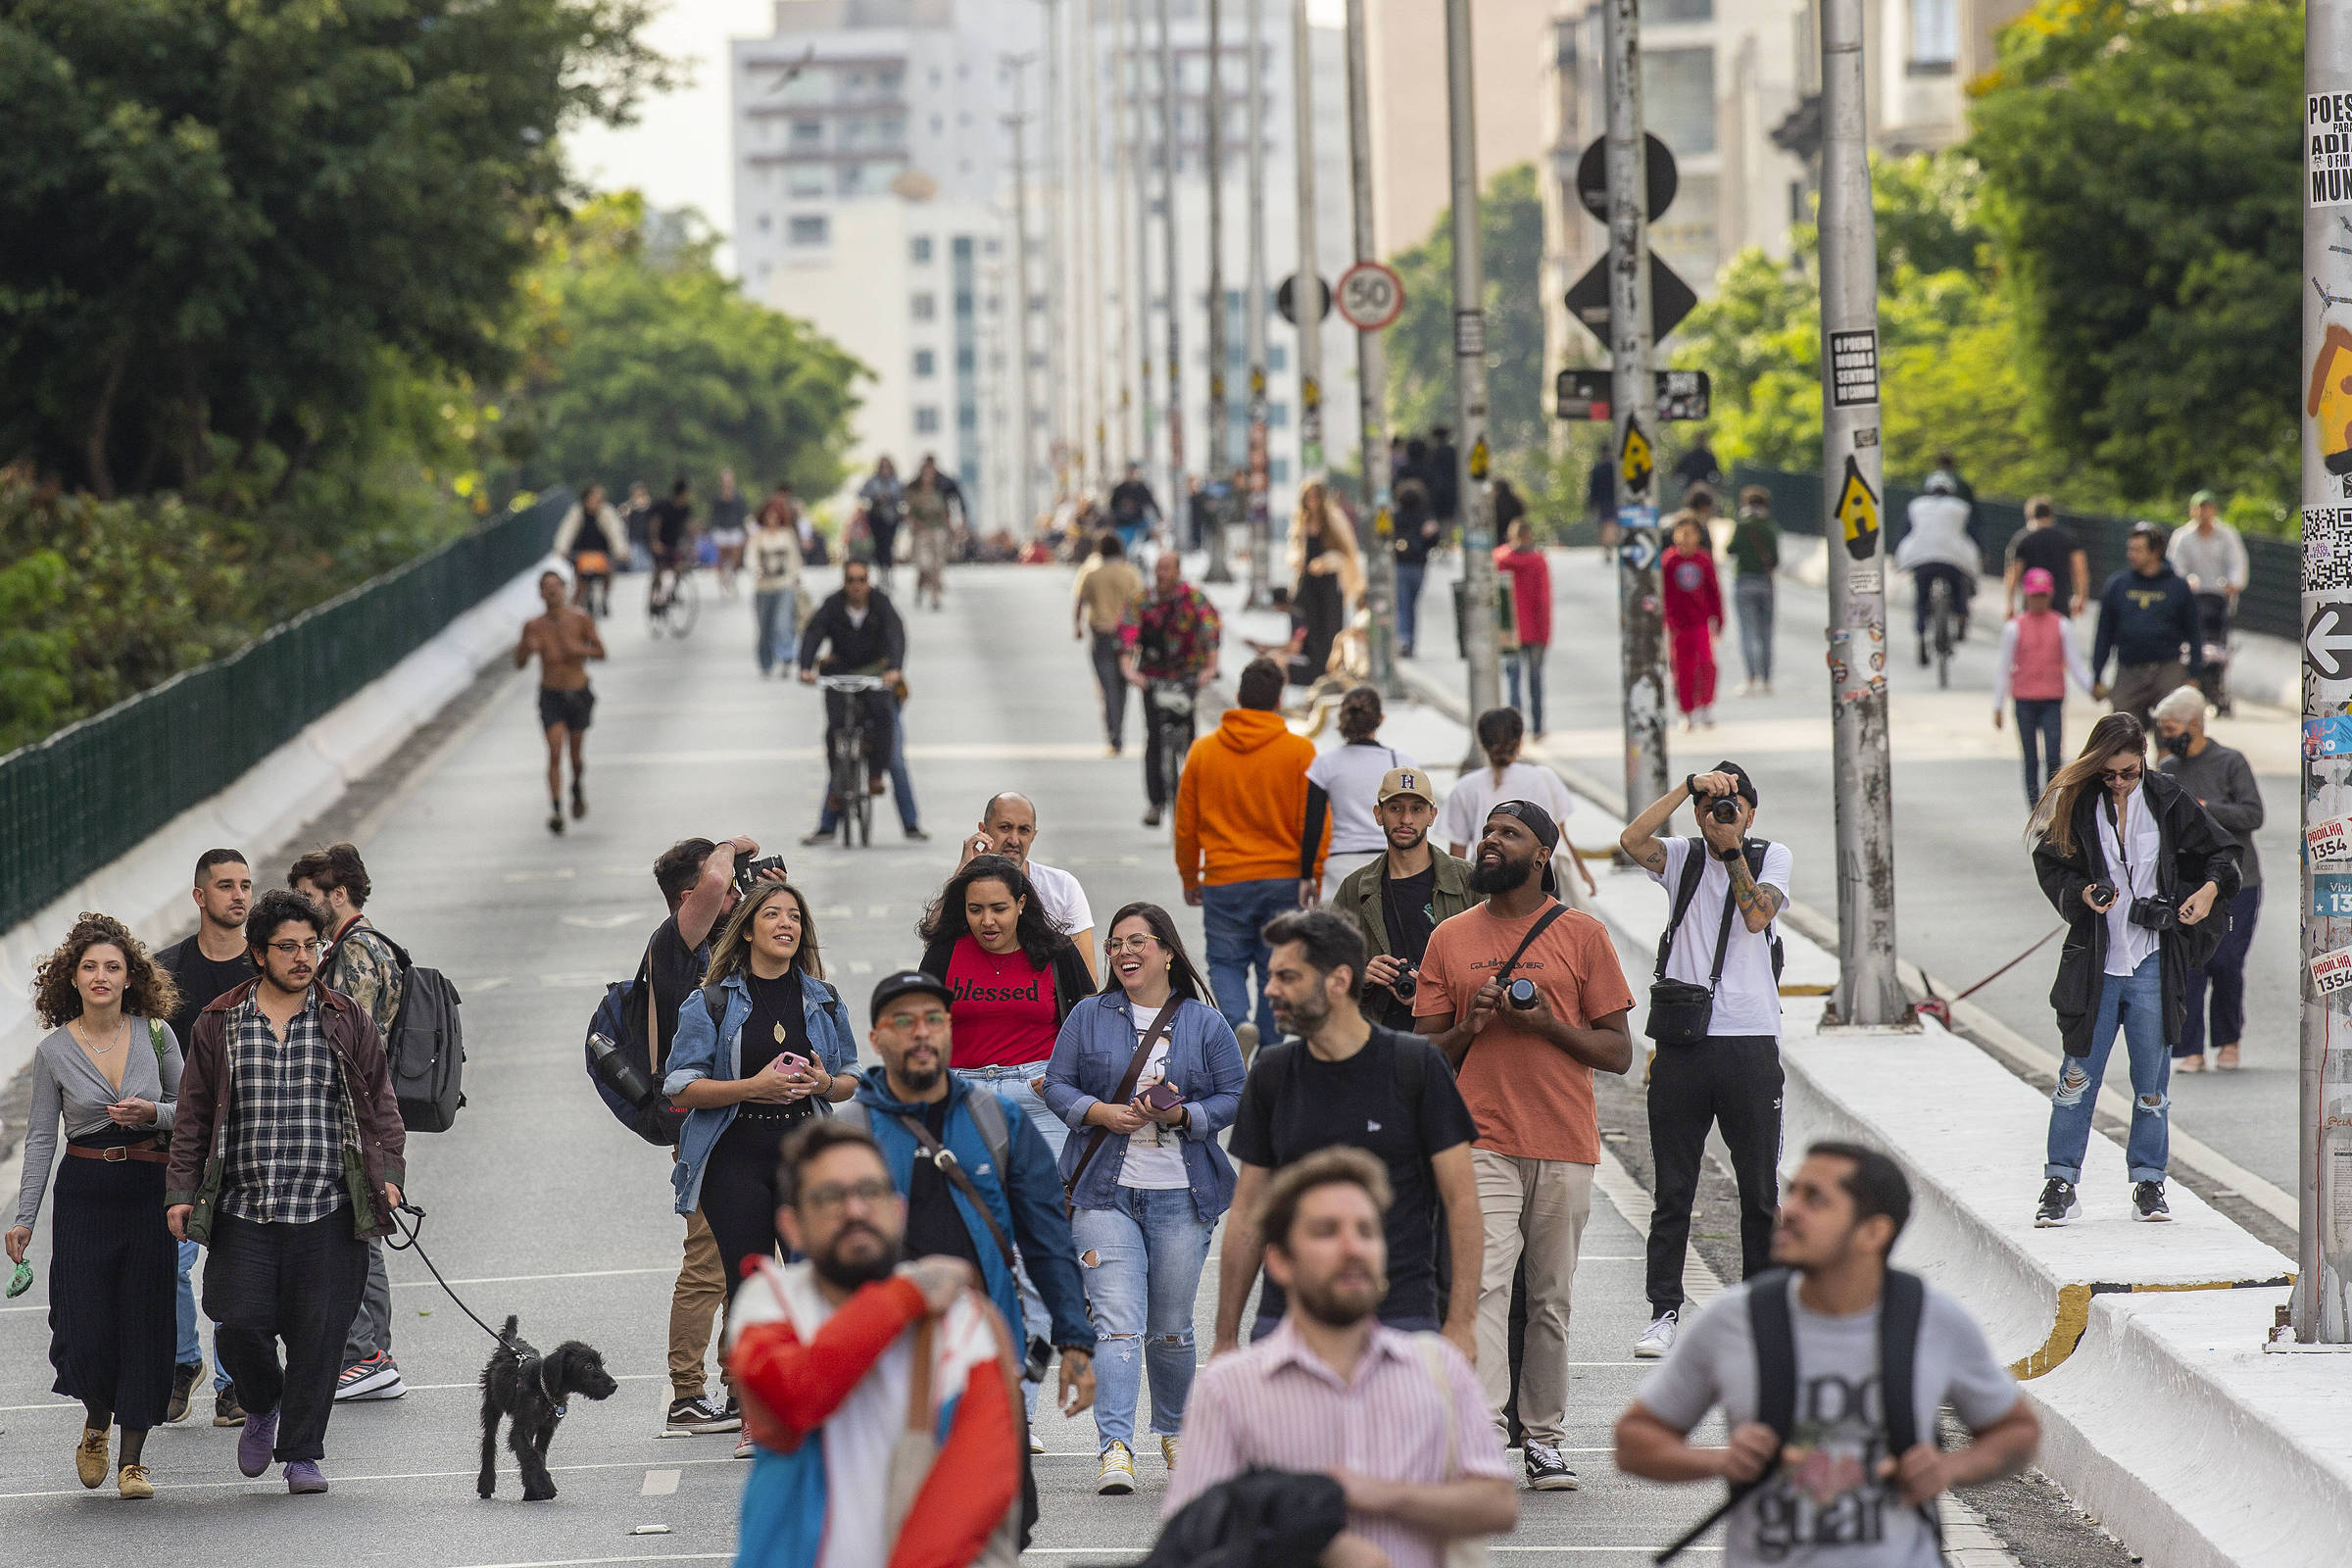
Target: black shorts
[568, 708]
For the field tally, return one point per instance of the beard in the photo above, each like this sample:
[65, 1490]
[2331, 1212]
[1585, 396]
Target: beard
[1489, 877]
[1303, 1015]
[923, 1082]
[850, 1273]
[1340, 1303]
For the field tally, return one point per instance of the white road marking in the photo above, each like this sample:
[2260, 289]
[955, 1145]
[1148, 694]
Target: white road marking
[270, 1483]
[660, 1484]
[524, 1279]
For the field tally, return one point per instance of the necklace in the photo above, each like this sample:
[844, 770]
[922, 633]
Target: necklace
[81, 1037]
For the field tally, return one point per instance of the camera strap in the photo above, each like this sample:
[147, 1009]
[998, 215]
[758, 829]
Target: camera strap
[1695, 867]
[1502, 976]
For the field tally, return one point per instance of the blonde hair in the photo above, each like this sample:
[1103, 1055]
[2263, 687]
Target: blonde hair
[1315, 507]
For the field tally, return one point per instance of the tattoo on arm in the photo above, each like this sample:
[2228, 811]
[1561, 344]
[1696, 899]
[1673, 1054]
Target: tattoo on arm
[1751, 895]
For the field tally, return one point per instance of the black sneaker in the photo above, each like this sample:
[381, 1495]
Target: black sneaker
[2147, 1203]
[698, 1414]
[1547, 1471]
[918, 835]
[226, 1411]
[183, 1383]
[2059, 1204]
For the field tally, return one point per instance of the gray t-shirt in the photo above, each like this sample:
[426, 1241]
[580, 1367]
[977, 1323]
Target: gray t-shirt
[1826, 1510]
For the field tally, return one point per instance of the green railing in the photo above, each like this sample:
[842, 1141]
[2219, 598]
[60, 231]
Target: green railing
[92, 791]
[2275, 567]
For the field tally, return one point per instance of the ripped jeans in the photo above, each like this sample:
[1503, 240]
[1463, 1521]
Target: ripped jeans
[1140, 1261]
[2135, 1004]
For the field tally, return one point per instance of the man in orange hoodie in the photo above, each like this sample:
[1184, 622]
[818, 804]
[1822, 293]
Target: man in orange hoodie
[1240, 809]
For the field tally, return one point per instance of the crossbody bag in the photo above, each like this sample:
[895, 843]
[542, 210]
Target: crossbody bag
[1681, 1010]
[1159, 1026]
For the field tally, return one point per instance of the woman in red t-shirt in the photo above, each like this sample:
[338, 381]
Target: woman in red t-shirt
[1013, 977]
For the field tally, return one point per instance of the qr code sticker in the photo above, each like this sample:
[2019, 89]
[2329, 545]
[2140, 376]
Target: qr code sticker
[2327, 574]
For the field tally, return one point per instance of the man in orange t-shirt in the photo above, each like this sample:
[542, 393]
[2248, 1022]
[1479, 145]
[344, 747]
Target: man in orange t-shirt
[1524, 1045]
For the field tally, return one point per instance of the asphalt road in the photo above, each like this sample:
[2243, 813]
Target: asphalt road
[541, 1205]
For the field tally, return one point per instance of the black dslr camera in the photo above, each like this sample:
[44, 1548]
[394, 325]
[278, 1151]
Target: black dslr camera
[748, 873]
[1725, 808]
[2157, 913]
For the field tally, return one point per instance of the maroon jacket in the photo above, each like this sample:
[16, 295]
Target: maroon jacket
[207, 1099]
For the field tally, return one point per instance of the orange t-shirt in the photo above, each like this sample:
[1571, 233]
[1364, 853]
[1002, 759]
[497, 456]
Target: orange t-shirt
[1531, 1098]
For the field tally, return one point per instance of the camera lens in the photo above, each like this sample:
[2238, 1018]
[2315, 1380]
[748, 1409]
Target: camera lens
[1406, 984]
[1522, 994]
[1724, 809]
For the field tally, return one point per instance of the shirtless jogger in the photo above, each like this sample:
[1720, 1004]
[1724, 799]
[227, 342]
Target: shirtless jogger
[566, 639]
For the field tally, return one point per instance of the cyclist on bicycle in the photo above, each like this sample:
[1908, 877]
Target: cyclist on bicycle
[587, 537]
[856, 631]
[1939, 548]
[1171, 632]
[670, 539]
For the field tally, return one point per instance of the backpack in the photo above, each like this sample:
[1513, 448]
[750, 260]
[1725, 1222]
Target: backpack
[1694, 866]
[425, 1050]
[623, 1018]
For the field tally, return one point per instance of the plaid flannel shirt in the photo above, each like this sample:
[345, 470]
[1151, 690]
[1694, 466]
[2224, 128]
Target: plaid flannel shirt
[285, 1163]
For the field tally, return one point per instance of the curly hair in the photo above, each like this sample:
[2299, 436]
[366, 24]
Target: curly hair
[148, 992]
[944, 919]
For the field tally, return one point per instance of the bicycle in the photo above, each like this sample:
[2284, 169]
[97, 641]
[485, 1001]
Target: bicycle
[1943, 624]
[850, 771]
[677, 609]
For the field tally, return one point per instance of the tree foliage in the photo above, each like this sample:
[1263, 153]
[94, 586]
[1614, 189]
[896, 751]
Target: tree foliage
[1420, 345]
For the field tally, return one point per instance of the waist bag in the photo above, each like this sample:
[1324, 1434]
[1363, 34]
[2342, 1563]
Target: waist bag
[1681, 1010]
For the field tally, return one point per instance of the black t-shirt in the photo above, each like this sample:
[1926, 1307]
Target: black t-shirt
[677, 973]
[670, 519]
[201, 981]
[935, 1226]
[1294, 1104]
[1409, 914]
[776, 1025]
[2052, 549]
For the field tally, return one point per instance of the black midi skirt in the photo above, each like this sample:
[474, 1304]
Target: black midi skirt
[114, 1306]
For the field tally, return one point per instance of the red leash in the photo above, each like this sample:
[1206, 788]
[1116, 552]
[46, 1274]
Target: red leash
[1939, 1009]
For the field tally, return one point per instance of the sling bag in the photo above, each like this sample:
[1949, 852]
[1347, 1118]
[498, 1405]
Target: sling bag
[943, 1159]
[1681, 1010]
[1158, 1029]
[1502, 976]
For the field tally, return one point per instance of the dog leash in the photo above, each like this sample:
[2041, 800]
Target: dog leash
[1941, 1009]
[415, 1245]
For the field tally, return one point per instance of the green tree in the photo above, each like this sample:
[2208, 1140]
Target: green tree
[643, 359]
[1420, 345]
[2141, 181]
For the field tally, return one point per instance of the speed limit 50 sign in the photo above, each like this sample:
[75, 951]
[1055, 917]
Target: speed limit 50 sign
[1370, 297]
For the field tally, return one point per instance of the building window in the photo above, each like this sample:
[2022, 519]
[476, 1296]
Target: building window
[918, 250]
[965, 362]
[1678, 97]
[767, 223]
[814, 228]
[1934, 37]
[1278, 358]
[926, 363]
[962, 247]
[805, 180]
[926, 420]
[923, 307]
[1277, 415]
[808, 134]
[1678, 11]
[1278, 471]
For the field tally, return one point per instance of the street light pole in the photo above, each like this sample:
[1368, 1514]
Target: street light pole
[1169, 155]
[1137, 163]
[1125, 225]
[1470, 365]
[1218, 459]
[1306, 293]
[1375, 529]
[1098, 358]
[1059, 360]
[1026, 485]
[1869, 992]
[1254, 316]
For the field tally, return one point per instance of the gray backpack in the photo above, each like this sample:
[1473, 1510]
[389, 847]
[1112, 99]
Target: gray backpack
[425, 1049]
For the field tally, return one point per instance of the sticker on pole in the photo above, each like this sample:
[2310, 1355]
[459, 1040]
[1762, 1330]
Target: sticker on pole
[2329, 842]
[1371, 297]
[2328, 639]
[2331, 973]
[2326, 737]
[1855, 369]
[2327, 148]
[1635, 461]
[2331, 897]
[1857, 512]
[1480, 460]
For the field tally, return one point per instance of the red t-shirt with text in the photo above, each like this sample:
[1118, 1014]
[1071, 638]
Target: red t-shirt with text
[1004, 1011]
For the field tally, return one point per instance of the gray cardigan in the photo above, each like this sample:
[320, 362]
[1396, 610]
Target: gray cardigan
[68, 1087]
[2223, 780]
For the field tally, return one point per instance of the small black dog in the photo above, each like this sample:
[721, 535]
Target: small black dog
[531, 1391]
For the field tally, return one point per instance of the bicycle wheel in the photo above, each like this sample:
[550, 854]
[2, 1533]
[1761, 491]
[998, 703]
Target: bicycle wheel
[685, 605]
[862, 806]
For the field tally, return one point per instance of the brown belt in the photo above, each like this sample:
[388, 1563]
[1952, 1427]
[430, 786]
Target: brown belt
[120, 1153]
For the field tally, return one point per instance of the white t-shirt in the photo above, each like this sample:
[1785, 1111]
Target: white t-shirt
[1747, 1002]
[1350, 775]
[1154, 1151]
[1061, 897]
[2133, 876]
[1476, 794]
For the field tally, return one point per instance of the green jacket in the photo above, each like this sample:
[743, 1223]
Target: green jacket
[1359, 898]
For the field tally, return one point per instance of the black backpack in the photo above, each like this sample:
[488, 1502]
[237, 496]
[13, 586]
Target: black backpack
[425, 1049]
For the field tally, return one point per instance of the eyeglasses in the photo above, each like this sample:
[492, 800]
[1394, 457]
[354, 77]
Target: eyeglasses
[290, 949]
[869, 1193]
[1130, 945]
[2125, 775]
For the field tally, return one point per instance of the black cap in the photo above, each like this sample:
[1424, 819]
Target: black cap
[1538, 822]
[1746, 789]
[904, 983]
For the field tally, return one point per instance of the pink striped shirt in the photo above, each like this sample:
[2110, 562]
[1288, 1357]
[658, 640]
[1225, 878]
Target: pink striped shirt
[1280, 1405]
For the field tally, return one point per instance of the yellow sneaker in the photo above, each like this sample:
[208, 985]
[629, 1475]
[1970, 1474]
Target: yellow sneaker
[1117, 1475]
[90, 1457]
[133, 1483]
[1168, 1450]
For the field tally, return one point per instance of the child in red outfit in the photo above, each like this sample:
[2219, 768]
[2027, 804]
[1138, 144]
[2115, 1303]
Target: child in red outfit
[1693, 604]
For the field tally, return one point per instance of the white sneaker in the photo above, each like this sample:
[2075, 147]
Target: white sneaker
[1658, 1339]
[1706, 715]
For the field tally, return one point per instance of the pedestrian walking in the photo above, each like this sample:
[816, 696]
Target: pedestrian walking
[928, 521]
[2148, 620]
[1524, 997]
[566, 638]
[1133, 509]
[1755, 552]
[1501, 733]
[2037, 658]
[1394, 1417]
[1171, 635]
[2222, 781]
[1443, 473]
[726, 522]
[1240, 809]
[884, 499]
[1008, 826]
[897, 1367]
[2211, 555]
[1699, 469]
[286, 1157]
[1715, 1014]
[1341, 785]
[588, 537]
[2049, 544]
[1398, 897]
[1339, 1078]
[1694, 605]
[775, 554]
[1145, 1074]
[1416, 535]
[1327, 580]
[2135, 866]
[637, 520]
[211, 961]
[1107, 586]
[108, 1072]
[1801, 1360]
[1601, 505]
[1529, 574]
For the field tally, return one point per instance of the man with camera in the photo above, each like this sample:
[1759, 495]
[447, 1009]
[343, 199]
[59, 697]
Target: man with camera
[1399, 899]
[1715, 1013]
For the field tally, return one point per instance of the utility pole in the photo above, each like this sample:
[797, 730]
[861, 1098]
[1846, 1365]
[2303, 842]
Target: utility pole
[1375, 529]
[1642, 630]
[1091, 243]
[1218, 459]
[1307, 293]
[1470, 363]
[1168, 153]
[1254, 319]
[2322, 1304]
[1057, 396]
[1869, 994]
[1125, 223]
[1138, 163]
[1017, 121]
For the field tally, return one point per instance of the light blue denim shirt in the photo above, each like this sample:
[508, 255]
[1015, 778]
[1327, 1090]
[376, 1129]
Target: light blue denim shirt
[1096, 1042]
[705, 1049]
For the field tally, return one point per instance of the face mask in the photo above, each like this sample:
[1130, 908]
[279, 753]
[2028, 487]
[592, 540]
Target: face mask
[2178, 745]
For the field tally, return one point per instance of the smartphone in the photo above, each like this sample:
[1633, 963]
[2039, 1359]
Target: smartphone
[794, 1062]
[1161, 1097]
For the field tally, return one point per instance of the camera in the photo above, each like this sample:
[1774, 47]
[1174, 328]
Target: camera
[1521, 994]
[1724, 808]
[1406, 984]
[748, 873]
[2156, 913]
[2103, 893]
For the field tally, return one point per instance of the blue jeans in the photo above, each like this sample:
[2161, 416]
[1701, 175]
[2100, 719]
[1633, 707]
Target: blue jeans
[774, 614]
[1409, 604]
[1013, 1084]
[2135, 1003]
[191, 1351]
[1528, 656]
[1141, 1261]
[1234, 915]
[2040, 726]
[1752, 594]
[901, 787]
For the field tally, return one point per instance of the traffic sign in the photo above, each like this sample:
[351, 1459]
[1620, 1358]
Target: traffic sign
[1479, 460]
[1659, 176]
[1581, 393]
[1857, 511]
[1670, 299]
[1635, 461]
[1640, 549]
[1371, 297]
[2328, 639]
[1282, 299]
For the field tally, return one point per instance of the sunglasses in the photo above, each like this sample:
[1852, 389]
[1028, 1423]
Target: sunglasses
[2127, 775]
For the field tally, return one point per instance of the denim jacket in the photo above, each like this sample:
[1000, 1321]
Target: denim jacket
[701, 1050]
[1096, 1044]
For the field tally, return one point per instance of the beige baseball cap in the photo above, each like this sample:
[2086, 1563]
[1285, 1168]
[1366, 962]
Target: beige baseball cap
[1404, 781]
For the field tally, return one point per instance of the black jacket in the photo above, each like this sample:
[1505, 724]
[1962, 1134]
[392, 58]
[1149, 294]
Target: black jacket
[878, 645]
[1071, 983]
[2197, 850]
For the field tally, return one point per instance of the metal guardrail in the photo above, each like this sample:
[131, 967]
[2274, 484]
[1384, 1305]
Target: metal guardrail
[2269, 604]
[92, 792]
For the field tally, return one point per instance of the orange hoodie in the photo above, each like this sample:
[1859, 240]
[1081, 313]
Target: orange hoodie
[1242, 803]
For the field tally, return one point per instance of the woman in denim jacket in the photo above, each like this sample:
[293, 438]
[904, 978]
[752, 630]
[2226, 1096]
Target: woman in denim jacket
[779, 1047]
[1146, 1184]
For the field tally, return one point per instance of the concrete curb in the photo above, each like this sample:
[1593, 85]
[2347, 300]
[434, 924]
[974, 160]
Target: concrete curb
[147, 889]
